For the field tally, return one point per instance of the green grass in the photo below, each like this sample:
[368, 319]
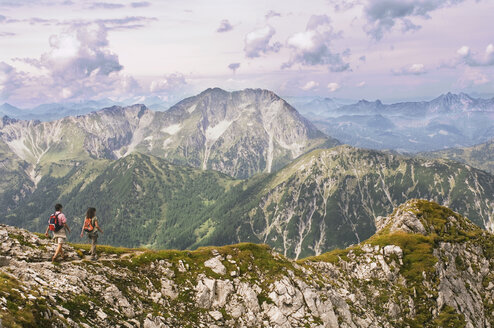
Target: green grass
[333, 256]
[106, 249]
[21, 312]
[449, 318]
[417, 252]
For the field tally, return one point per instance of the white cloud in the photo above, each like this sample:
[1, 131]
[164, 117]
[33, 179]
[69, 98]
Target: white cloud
[168, 83]
[489, 49]
[333, 86]
[310, 85]
[473, 59]
[361, 84]
[258, 41]
[417, 69]
[10, 80]
[463, 51]
[471, 77]
[414, 69]
[312, 47]
[79, 65]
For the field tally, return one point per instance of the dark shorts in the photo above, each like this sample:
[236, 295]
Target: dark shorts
[92, 236]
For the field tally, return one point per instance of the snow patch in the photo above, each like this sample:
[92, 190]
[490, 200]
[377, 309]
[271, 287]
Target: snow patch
[295, 148]
[214, 132]
[172, 129]
[167, 142]
[192, 108]
[443, 132]
[138, 135]
[17, 146]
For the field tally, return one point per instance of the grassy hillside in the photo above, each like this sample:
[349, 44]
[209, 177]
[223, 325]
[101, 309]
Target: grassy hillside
[330, 198]
[140, 200]
[479, 156]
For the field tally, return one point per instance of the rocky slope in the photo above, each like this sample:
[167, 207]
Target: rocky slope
[239, 133]
[15, 182]
[426, 267]
[479, 156]
[330, 198]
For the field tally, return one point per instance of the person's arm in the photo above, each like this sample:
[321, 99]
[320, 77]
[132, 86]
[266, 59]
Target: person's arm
[96, 225]
[47, 229]
[63, 220]
[82, 230]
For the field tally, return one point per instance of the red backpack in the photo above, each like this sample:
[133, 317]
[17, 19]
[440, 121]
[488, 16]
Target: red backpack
[88, 225]
[53, 223]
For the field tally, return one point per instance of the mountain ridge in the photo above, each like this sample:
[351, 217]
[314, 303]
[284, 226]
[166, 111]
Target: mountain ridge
[329, 198]
[394, 279]
[446, 121]
[239, 133]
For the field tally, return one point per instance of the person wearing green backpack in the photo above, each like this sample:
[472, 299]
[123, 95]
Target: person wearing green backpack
[91, 227]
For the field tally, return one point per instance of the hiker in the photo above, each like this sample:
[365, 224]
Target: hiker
[91, 227]
[58, 225]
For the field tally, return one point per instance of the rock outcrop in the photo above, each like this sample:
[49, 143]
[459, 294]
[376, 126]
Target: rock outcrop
[426, 267]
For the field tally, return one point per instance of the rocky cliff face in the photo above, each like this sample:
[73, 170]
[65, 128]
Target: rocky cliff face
[239, 133]
[426, 267]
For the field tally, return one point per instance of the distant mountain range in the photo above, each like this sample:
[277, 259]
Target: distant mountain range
[55, 111]
[451, 120]
[448, 121]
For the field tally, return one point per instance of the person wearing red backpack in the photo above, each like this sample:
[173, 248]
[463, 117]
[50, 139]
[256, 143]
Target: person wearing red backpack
[91, 227]
[58, 225]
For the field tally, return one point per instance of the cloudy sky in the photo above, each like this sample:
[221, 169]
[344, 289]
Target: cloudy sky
[63, 51]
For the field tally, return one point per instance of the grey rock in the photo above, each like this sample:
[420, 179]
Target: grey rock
[216, 265]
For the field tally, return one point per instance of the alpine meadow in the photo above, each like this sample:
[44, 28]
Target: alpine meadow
[247, 164]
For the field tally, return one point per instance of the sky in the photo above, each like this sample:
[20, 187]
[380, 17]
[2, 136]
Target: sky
[392, 50]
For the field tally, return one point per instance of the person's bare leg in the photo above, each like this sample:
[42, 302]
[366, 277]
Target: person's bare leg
[93, 248]
[58, 251]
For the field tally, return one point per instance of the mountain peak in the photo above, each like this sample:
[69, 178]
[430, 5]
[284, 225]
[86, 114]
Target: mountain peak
[215, 90]
[453, 97]
[366, 102]
[426, 218]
